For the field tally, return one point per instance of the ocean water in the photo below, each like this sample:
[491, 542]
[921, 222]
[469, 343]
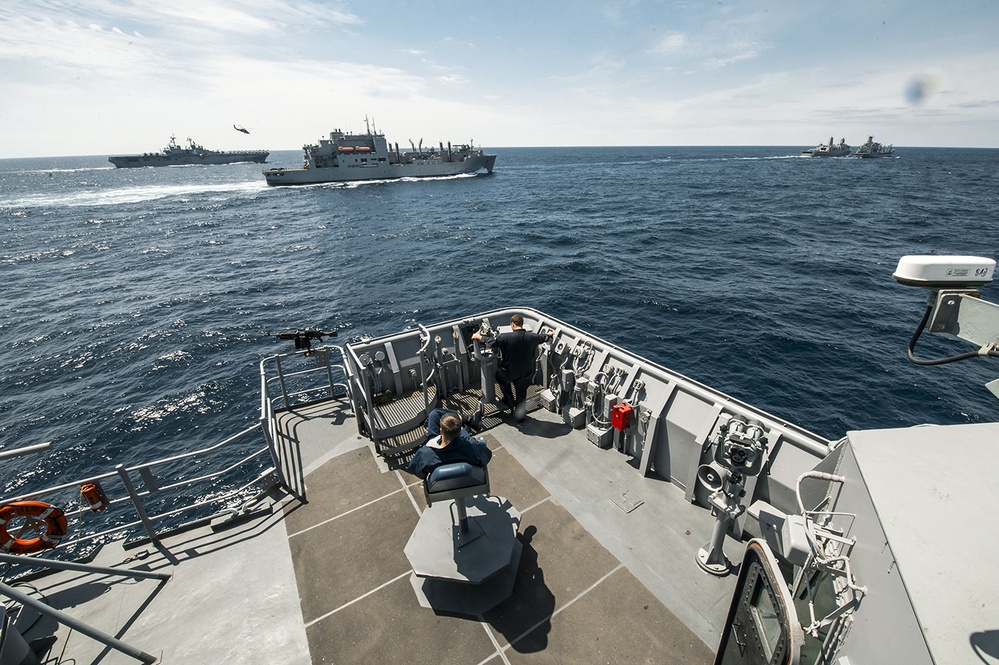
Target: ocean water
[135, 302]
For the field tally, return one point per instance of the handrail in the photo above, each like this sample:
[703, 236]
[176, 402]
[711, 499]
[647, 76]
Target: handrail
[140, 467]
[281, 375]
[76, 624]
[794, 434]
[26, 450]
[139, 499]
[352, 360]
[424, 378]
[161, 516]
[365, 393]
[286, 458]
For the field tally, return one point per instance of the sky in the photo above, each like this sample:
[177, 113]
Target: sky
[96, 77]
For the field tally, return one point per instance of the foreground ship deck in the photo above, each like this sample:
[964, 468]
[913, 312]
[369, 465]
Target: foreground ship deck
[612, 531]
[330, 578]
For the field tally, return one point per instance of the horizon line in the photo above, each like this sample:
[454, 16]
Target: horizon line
[552, 147]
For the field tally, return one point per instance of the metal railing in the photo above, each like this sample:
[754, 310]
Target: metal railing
[361, 393]
[298, 384]
[360, 376]
[143, 485]
[139, 484]
[147, 476]
[155, 497]
[246, 471]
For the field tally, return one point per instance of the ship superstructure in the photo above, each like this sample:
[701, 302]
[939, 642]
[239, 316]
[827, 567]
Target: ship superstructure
[872, 148]
[346, 157]
[841, 149]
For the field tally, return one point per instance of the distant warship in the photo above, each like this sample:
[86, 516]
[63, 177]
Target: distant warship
[831, 149]
[874, 149]
[174, 155]
[345, 157]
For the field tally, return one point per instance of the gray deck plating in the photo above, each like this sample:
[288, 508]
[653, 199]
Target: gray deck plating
[573, 600]
[330, 578]
[232, 599]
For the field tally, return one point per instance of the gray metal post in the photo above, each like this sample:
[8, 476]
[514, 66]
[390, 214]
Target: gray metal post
[272, 448]
[462, 515]
[329, 372]
[711, 558]
[83, 567]
[146, 522]
[280, 373]
[76, 625]
[369, 407]
[424, 377]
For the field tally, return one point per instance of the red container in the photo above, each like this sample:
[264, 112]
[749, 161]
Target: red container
[621, 416]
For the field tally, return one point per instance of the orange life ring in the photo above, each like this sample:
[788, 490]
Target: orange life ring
[47, 520]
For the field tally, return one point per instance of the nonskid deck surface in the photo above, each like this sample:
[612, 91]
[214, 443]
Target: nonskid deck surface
[607, 571]
[232, 599]
[574, 599]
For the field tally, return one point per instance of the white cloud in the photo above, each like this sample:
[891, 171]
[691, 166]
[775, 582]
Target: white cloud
[670, 44]
[113, 75]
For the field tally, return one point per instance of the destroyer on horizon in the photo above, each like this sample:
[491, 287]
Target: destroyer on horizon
[842, 149]
[345, 157]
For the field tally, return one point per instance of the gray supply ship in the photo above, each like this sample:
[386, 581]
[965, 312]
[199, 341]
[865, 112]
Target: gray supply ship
[830, 149]
[346, 157]
[634, 516]
[174, 155]
[872, 148]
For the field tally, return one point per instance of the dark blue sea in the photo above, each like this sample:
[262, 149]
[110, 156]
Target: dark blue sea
[135, 302]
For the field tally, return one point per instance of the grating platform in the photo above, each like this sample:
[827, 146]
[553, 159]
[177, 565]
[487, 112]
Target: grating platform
[411, 406]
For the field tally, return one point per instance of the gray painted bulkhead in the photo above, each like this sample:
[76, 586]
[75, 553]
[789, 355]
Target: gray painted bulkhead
[675, 419]
[895, 637]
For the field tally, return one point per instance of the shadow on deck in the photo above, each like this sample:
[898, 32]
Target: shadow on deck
[573, 600]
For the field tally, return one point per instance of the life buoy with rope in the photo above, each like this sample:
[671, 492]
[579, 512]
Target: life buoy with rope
[44, 519]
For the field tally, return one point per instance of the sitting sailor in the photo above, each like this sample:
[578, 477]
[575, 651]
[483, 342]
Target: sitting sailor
[447, 442]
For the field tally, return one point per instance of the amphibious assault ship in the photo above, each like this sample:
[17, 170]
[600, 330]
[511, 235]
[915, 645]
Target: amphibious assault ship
[841, 149]
[193, 153]
[346, 157]
[633, 516]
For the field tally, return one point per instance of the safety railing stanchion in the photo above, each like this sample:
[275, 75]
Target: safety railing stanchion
[147, 524]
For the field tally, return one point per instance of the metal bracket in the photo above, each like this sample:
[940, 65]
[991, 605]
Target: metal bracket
[963, 314]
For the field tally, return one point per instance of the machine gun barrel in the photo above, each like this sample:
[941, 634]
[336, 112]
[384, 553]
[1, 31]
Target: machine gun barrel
[303, 336]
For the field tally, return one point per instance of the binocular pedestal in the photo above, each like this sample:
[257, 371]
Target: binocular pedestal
[726, 505]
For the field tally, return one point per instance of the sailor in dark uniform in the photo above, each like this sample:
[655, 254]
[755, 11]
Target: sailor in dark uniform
[447, 442]
[517, 366]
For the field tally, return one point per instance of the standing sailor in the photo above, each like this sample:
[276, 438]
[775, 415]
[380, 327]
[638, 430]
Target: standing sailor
[517, 366]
